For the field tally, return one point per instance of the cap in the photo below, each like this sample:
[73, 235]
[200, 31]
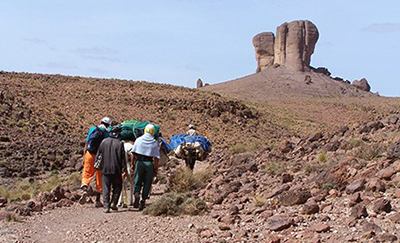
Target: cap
[106, 120]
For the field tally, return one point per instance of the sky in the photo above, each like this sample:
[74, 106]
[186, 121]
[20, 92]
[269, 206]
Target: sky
[179, 41]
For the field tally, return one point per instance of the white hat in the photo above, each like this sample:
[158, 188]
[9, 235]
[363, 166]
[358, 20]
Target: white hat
[106, 120]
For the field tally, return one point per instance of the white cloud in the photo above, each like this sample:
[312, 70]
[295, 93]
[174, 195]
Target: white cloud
[383, 27]
[62, 65]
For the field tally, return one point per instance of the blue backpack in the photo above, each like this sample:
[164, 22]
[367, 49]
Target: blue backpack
[94, 140]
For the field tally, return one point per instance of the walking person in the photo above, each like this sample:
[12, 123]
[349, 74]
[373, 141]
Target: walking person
[145, 158]
[111, 159]
[94, 138]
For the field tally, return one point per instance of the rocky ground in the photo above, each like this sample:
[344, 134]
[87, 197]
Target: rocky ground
[84, 223]
[282, 170]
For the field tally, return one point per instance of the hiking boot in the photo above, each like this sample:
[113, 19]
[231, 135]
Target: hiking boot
[114, 207]
[137, 198]
[106, 210]
[83, 199]
[142, 205]
[98, 204]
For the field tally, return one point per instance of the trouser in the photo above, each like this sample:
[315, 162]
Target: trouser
[111, 183]
[89, 171]
[144, 174]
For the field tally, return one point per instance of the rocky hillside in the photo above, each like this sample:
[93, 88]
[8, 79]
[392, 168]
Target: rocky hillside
[284, 169]
[45, 118]
[328, 187]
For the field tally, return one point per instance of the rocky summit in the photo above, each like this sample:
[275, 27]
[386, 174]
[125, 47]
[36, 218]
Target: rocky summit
[292, 47]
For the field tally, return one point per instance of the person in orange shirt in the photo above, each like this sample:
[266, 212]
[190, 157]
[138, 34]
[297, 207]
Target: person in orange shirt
[95, 136]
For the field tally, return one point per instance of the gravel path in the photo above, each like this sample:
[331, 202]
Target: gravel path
[84, 223]
[88, 224]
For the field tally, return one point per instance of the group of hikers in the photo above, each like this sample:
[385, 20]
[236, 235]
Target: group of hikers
[104, 157]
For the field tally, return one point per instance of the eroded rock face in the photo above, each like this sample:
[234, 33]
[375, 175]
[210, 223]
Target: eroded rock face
[264, 47]
[362, 84]
[293, 46]
[199, 83]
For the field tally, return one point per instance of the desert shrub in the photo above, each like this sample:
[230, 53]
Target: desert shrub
[327, 186]
[2, 163]
[258, 200]
[12, 217]
[355, 142]
[238, 148]
[250, 147]
[174, 204]
[274, 167]
[184, 180]
[369, 151]
[74, 180]
[322, 157]
[4, 192]
[53, 182]
[315, 167]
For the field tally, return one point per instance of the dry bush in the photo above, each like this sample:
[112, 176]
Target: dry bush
[74, 180]
[174, 204]
[316, 166]
[369, 152]
[238, 148]
[274, 168]
[26, 190]
[184, 180]
[12, 217]
[259, 200]
[322, 157]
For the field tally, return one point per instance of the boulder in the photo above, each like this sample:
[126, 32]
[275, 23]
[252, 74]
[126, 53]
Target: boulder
[355, 187]
[371, 226]
[295, 196]
[382, 205]
[279, 222]
[310, 207]
[358, 211]
[375, 184]
[319, 228]
[362, 84]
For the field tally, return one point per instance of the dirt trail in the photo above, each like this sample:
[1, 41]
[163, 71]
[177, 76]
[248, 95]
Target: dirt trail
[84, 223]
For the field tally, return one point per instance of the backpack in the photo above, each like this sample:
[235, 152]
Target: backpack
[127, 130]
[94, 141]
[138, 129]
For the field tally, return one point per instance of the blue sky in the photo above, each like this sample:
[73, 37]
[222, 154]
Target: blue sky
[178, 41]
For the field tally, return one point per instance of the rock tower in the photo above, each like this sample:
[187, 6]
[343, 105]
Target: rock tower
[292, 47]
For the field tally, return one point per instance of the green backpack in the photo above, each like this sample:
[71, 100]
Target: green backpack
[127, 130]
[140, 126]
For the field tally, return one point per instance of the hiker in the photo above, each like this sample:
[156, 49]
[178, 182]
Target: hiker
[110, 159]
[145, 158]
[192, 130]
[95, 136]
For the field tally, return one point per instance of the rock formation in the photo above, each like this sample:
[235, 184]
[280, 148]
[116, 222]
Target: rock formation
[293, 46]
[264, 48]
[199, 83]
[362, 84]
